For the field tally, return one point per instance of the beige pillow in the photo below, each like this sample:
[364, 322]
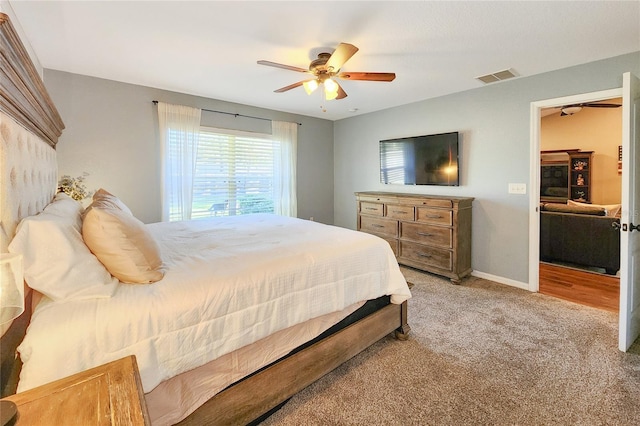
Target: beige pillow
[122, 244]
[103, 198]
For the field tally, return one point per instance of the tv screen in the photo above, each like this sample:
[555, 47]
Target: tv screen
[420, 160]
[554, 180]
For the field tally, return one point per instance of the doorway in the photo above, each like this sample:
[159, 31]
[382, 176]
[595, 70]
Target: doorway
[580, 203]
[534, 219]
[629, 314]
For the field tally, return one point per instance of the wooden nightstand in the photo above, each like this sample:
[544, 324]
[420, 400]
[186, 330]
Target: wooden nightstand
[107, 395]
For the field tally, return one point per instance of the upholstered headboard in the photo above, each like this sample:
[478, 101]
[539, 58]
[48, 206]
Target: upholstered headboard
[29, 129]
[29, 174]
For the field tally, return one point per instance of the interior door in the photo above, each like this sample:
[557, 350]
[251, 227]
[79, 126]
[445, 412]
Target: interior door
[629, 318]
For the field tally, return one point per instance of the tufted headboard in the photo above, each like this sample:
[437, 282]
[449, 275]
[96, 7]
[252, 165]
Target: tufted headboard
[29, 129]
[29, 175]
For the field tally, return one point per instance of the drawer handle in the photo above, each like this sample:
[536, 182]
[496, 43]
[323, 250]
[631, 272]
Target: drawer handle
[424, 255]
[434, 216]
[399, 211]
[424, 234]
[375, 225]
[370, 208]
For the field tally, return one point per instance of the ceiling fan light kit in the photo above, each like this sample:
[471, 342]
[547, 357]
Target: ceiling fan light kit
[325, 69]
[572, 109]
[331, 88]
[310, 86]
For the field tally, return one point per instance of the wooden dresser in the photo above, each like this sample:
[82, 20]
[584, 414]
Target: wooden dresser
[107, 395]
[431, 233]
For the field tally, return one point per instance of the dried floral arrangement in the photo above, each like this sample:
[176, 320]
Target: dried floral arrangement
[73, 187]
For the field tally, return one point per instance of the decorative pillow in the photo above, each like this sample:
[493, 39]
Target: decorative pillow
[565, 208]
[612, 210]
[103, 198]
[122, 244]
[57, 263]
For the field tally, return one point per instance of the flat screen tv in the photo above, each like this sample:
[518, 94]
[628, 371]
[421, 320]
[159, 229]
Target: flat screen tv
[420, 160]
[554, 180]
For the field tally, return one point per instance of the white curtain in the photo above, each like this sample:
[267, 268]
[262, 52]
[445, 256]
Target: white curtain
[285, 201]
[179, 134]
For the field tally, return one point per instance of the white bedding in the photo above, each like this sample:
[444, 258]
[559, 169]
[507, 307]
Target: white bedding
[228, 282]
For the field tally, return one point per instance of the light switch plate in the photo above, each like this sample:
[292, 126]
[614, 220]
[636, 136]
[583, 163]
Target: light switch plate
[517, 188]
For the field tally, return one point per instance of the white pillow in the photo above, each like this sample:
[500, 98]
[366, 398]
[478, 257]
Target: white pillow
[611, 210]
[57, 263]
[64, 206]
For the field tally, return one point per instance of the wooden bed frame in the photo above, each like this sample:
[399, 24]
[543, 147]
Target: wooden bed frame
[25, 99]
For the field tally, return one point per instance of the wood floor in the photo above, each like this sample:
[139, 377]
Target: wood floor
[587, 288]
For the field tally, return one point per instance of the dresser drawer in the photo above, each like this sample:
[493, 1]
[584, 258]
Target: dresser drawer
[374, 209]
[434, 216]
[437, 202]
[395, 211]
[380, 225]
[439, 258]
[432, 235]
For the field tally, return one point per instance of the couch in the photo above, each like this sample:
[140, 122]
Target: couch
[579, 235]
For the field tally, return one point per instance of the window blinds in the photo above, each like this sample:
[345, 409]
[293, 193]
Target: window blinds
[234, 174]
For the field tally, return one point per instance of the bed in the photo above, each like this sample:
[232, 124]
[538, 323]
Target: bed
[235, 342]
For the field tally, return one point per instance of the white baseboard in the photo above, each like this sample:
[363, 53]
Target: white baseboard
[501, 280]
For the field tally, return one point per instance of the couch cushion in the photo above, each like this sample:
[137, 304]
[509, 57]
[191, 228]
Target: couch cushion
[612, 210]
[564, 208]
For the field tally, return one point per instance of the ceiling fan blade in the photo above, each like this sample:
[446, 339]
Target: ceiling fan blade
[289, 87]
[601, 105]
[341, 93]
[370, 76]
[342, 54]
[286, 67]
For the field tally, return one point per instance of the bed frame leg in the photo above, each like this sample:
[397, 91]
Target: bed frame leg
[402, 332]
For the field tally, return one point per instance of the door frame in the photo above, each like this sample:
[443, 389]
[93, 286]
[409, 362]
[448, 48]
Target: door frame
[534, 170]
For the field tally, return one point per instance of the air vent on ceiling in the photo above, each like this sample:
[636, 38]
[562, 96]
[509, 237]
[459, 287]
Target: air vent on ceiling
[497, 76]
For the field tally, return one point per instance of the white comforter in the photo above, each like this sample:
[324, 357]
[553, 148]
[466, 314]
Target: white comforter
[228, 283]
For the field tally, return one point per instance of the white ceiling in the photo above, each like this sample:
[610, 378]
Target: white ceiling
[210, 48]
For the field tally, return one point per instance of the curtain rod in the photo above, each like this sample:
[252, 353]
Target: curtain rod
[235, 114]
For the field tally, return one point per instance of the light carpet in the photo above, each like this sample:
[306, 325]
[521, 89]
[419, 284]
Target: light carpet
[481, 353]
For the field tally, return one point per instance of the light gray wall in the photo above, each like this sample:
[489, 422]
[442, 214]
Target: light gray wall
[112, 134]
[495, 128]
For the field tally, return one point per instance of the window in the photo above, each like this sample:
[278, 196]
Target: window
[235, 173]
[210, 172]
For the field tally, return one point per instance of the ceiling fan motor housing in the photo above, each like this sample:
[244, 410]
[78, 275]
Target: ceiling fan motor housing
[318, 66]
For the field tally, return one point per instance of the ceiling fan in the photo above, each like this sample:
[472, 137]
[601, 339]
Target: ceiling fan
[572, 109]
[326, 69]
